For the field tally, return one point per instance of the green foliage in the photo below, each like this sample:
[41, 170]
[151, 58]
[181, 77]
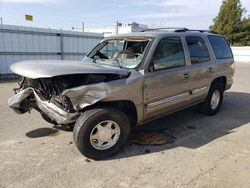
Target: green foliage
[231, 23]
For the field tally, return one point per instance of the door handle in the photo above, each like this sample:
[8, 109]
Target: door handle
[186, 75]
[210, 69]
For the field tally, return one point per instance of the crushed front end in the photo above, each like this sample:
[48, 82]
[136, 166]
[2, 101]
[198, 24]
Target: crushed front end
[60, 99]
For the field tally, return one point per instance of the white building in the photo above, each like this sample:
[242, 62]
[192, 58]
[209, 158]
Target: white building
[118, 28]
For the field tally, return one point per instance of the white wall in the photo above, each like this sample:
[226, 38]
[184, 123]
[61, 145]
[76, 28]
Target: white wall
[241, 54]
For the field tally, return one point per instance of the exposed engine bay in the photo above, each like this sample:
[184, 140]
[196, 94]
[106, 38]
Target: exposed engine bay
[52, 88]
[46, 94]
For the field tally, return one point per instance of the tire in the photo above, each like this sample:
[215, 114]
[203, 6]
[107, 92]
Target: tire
[96, 121]
[208, 107]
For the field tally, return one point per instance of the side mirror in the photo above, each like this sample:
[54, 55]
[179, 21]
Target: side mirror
[151, 67]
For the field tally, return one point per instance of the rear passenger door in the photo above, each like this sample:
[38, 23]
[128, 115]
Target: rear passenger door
[202, 66]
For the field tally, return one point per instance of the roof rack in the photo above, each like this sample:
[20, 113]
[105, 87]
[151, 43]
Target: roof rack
[202, 31]
[165, 28]
[178, 29]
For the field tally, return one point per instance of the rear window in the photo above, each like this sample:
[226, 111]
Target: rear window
[220, 47]
[197, 49]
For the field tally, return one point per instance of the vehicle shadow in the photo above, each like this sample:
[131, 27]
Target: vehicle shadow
[192, 129]
[42, 132]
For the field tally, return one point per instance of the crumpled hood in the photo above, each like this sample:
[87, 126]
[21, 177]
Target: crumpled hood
[46, 69]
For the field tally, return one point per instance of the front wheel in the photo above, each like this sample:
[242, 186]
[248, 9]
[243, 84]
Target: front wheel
[214, 99]
[101, 132]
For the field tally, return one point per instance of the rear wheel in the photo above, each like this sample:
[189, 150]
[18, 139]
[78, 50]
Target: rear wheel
[214, 99]
[100, 133]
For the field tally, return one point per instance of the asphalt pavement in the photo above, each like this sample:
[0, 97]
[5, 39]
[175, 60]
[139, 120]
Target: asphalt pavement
[206, 152]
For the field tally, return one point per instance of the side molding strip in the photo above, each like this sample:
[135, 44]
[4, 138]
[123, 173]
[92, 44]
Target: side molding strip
[169, 99]
[182, 95]
[199, 90]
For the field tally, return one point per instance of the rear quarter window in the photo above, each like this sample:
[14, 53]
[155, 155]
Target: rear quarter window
[220, 47]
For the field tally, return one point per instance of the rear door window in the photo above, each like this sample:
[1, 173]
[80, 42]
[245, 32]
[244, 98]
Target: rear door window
[220, 47]
[197, 49]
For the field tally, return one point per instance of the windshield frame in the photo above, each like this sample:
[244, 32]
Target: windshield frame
[128, 38]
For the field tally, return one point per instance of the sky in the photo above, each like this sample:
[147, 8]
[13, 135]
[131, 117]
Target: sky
[65, 14]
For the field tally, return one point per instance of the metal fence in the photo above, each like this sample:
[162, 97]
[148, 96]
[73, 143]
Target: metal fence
[25, 43]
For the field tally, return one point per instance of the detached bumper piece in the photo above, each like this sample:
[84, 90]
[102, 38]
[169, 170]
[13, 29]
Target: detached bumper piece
[19, 104]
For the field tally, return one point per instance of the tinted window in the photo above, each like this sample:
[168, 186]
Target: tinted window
[169, 53]
[197, 49]
[220, 47]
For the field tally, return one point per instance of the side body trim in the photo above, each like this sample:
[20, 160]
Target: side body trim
[175, 97]
[199, 90]
[169, 99]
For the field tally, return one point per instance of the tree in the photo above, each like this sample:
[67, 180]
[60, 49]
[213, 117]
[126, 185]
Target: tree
[245, 41]
[231, 23]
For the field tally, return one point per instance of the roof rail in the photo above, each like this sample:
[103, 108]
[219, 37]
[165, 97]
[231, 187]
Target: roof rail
[165, 28]
[202, 31]
[178, 29]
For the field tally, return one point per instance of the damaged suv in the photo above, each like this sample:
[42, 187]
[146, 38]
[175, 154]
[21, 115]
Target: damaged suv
[126, 80]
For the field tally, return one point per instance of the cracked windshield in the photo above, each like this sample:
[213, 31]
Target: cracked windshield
[123, 53]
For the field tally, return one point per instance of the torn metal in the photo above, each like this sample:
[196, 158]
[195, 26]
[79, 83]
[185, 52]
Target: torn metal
[54, 112]
[87, 95]
[80, 98]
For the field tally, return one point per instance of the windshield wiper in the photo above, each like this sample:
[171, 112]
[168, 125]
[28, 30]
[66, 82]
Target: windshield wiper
[118, 64]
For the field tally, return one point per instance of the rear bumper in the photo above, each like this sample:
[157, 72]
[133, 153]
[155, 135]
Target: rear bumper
[52, 111]
[230, 75]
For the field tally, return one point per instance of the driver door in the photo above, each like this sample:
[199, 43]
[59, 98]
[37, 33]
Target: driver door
[167, 85]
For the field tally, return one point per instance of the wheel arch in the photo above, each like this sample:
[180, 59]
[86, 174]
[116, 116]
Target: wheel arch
[220, 79]
[126, 106]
